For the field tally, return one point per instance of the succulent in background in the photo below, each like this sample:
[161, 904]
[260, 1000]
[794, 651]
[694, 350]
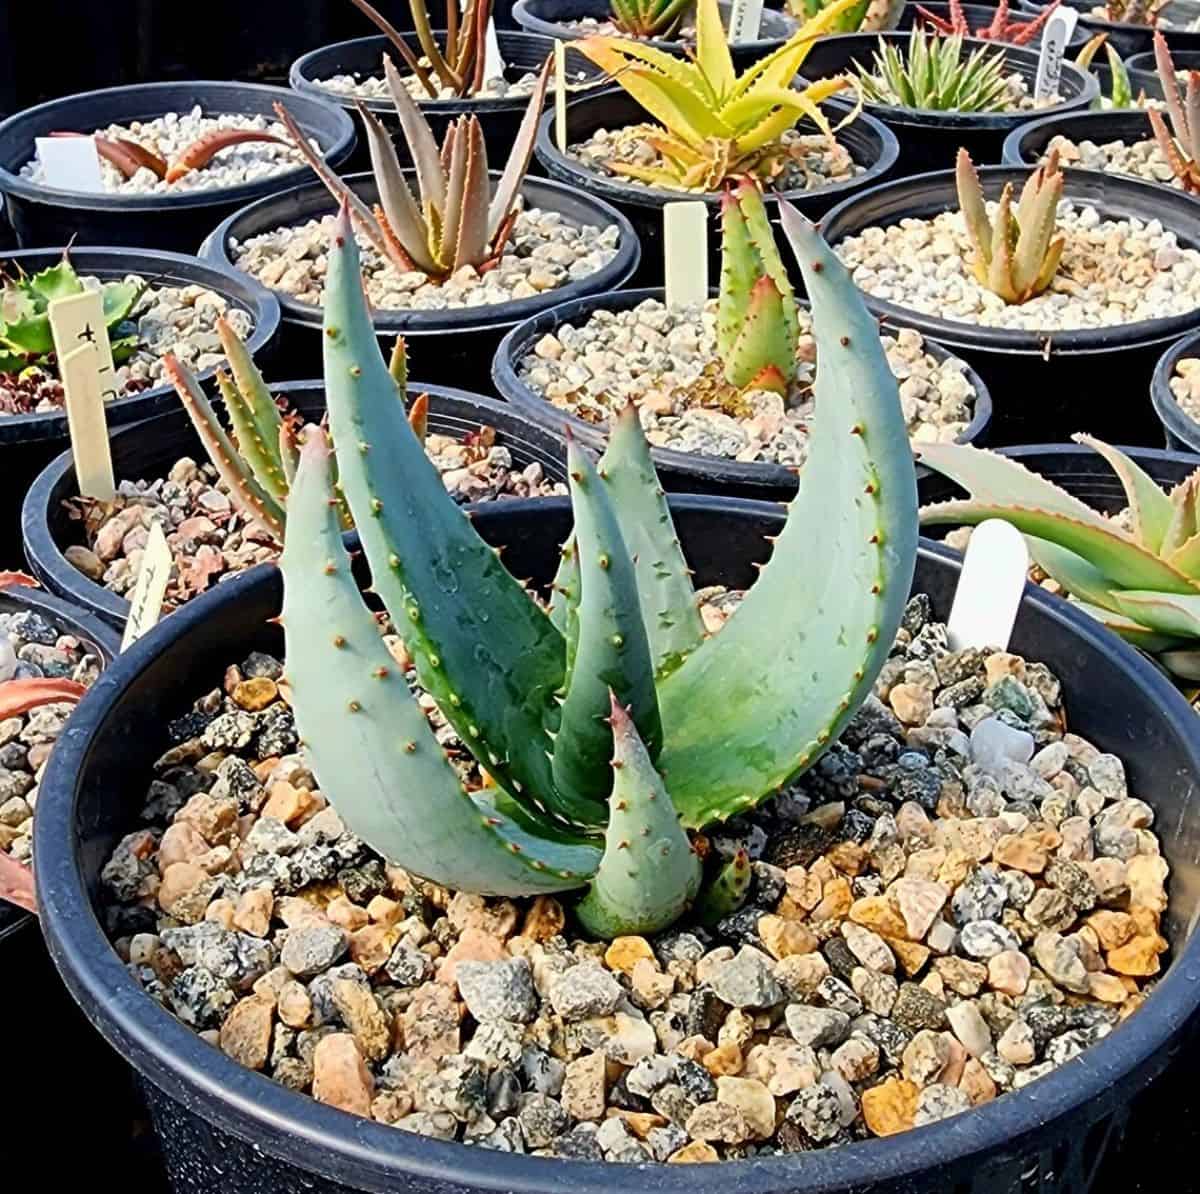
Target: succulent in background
[1017, 253]
[1142, 582]
[609, 725]
[1133, 12]
[867, 16]
[457, 221]
[25, 335]
[931, 73]
[1000, 28]
[648, 18]
[1120, 92]
[1180, 144]
[717, 125]
[757, 325]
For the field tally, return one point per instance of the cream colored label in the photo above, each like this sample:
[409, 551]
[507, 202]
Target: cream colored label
[560, 95]
[744, 20]
[79, 320]
[685, 249]
[145, 605]
[86, 424]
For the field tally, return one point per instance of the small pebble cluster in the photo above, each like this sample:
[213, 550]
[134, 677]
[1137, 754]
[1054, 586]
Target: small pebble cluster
[1113, 271]
[1139, 159]
[666, 360]
[1185, 385]
[1162, 21]
[170, 134]
[31, 646]
[545, 251]
[211, 540]
[497, 87]
[812, 160]
[178, 319]
[960, 897]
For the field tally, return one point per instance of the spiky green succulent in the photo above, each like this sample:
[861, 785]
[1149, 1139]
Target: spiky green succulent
[867, 16]
[648, 18]
[455, 220]
[717, 125]
[1133, 12]
[1016, 253]
[1120, 90]
[608, 725]
[1142, 581]
[931, 73]
[1180, 144]
[26, 338]
[757, 324]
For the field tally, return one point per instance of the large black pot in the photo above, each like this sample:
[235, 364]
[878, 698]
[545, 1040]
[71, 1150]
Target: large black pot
[1025, 146]
[450, 347]
[1044, 388]
[1182, 432]
[1184, 59]
[1126, 39]
[523, 54]
[29, 442]
[43, 215]
[224, 1127]
[929, 140]
[870, 143]
[979, 16]
[149, 449]
[680, 472]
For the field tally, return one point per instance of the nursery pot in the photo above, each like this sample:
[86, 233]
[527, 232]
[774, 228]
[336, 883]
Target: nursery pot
[149, 449]
[1045, 386]
[1126, 38]
[869, 142]
[29, 442]
[1182, 432]
[979, 16]
[44, 215]
[1184, 58]
[452, 346]
[1026, 145]
[548, 19]
[225, 1127]
[523, 54]
[680, 472]
[929, 140]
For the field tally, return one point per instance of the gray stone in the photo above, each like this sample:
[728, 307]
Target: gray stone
[748, 980]
[498, 990]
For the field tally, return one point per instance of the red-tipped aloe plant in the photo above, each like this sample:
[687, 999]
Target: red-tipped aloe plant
[1000, 28]
[1180, 144]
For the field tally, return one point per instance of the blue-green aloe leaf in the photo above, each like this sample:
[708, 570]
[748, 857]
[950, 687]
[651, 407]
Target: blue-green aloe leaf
[1132, 632]
[1148, 503]
[1165, 613]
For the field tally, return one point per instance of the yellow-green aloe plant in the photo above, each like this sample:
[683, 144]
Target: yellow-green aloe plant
[1121, 90]
[931, 73]
[608, 725]
[716, 124]
[1142, 581]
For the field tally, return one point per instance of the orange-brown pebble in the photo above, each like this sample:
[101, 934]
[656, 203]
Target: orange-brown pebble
[976, 1083]
[1138, 958]
[246, 1033]
[179, 880]
[340, 1076]
[219, 912]
[877, 913]
[723, 1060]
[475, 945]
[372, 945]
[346, 914]
[181, 842]
[1113, 929]
[1107, 988]
[848, 857]
[786, 938]
[912, 955]
[255, 694]
[890, 1107]
[253, 912]
[545, 919]
[290, 804]
[695, 1153]
[384, 911]
[640, 1123]
[836, 898]
[624, 953]
[1021, 853]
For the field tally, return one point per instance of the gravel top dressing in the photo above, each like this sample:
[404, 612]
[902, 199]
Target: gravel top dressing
[494, 88]
[960, 897]
[544, 251]
[1112, 272]
[1185, 385]
[1139, 159]
[667, 361]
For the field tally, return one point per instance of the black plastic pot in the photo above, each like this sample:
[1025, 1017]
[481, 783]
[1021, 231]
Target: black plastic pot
[546, 17]
[149, 449]
[929, 140]
[979, 16]
[1044, 387]
[224, 1127]
[1126, 39]
[453, 346]
[46, 215]
[523, 53]
[1182, 432]
[869, 142]
[29, 442]
[680, 472]
[1025, 146]
[1184, 59]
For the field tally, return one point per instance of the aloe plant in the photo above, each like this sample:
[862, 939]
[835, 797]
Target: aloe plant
[1143, 583]
[648, 18]
[931, 73]
[25, 335]
[1016, 253]
[1133, 12]
[128, 156]
[458, 220]
[717, 125]
[867, 16]
[1000, 28]
[1120, 91]
[1180, 144]
[593, 720]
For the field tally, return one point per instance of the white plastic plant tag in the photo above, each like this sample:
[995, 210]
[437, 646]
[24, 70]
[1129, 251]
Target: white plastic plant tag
[1055, 35]
[560, 95]
[70, 163]
[989, 588]
[86, 425]
[744, 20]
[150, 588]
[77, 320]
[493, 60]
[685, 252]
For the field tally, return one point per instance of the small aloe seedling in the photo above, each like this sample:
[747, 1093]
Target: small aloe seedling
[757, 325]
[1120, 90]
[25, 334]
[1180, 144]
[1000, 28]
[717, 125]
[593, 721]
[458, 221]
[1017, 253]
[867, 16]
[648, 18]
[932, 74]
[129, 157]
[1143, 583]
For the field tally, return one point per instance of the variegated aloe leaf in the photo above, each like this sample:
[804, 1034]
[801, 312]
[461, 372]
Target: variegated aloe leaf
[1132, 632]
[803, 650]
[1149, 506]
[1175, 614]
[1079, 578]
[384, 771]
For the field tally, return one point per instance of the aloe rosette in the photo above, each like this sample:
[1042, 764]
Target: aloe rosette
[593, 720]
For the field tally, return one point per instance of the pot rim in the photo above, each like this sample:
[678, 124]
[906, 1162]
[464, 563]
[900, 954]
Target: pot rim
[376, 1157]
[1172, 416]
[1116, 125]
[1083, 7]
[24, 188]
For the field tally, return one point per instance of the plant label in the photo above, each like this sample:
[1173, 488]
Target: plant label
[77, 320]
[685, 248]
[989, 588]
[560, 95]
[1055, 35]
[85, 423]
[150, 588]
[745, 20]
[493, 60]
[70, 163]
